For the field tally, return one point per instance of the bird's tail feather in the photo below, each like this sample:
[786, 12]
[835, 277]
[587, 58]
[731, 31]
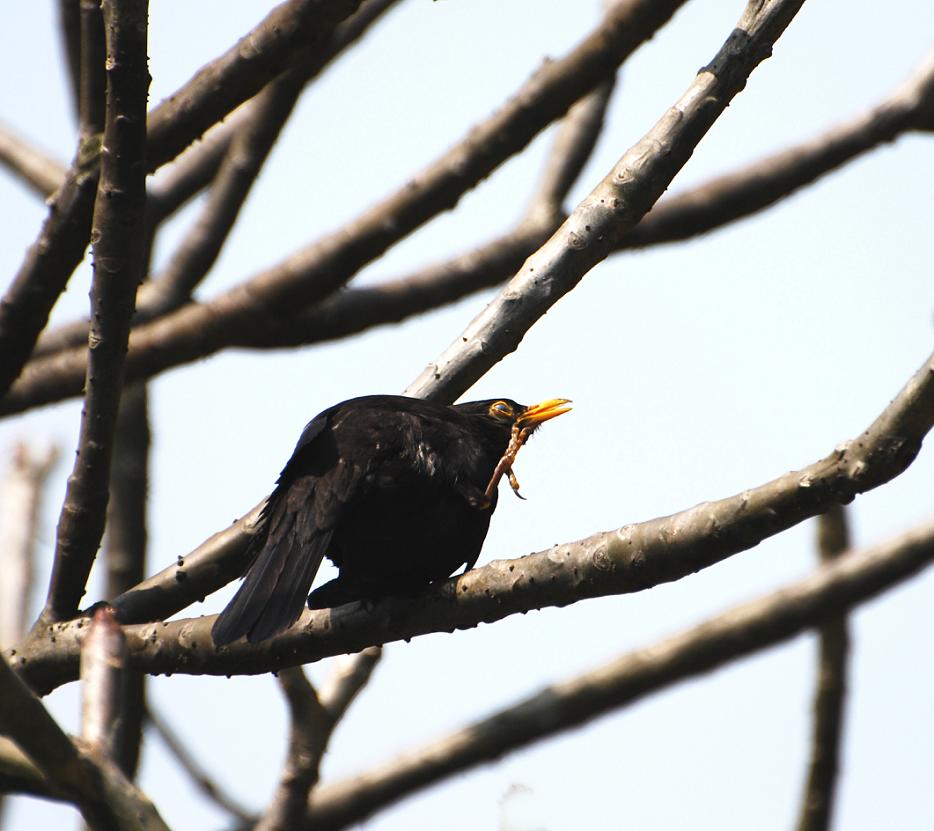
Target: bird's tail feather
[273, 594]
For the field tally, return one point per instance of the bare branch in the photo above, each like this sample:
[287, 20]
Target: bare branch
[312, 273]
[40, 172]
[125, 551]
[631, 558]
[118, 265]
[241, 145]
[818, 800]
[20, 499]
[314, 718]
[754, 626]
[615, 206]
[486, 265]
[69, 16]
[49, 262]
[92, 80]
[18, 775]
[106, 799]
[195, 770]
[243, 70]
[678, 217]
[756, 187]
[215, 563]
[215, 91]
[307, 739]
[103, 655]
[574, 143]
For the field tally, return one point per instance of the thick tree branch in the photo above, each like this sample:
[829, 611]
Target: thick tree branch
[106, 800]
[615, 206]
[631, 558]
[829, 591]
[312, 273]
[818, 801]
[216, 562]
[118, 265]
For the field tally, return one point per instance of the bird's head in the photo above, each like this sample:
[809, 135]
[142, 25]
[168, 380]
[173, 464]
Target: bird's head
[507, 414]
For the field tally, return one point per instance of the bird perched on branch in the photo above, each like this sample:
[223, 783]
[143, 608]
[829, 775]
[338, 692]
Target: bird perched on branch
[398, 492]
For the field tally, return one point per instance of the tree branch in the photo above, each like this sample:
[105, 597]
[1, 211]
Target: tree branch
[242, 71]
[818, 800]
[776, 617]
[214, 91]
[40, 172]
[125, 552]
[231, 157]
[615, 206]
[92, 79]
[312, 273]
[106, 800]
[631, 558]
[69, 18]
[674, 218]
[118, 265]
[103, 655]
[20, 499]
[313, 718]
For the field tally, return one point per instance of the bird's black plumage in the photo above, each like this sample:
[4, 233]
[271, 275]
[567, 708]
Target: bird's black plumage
[391, 489]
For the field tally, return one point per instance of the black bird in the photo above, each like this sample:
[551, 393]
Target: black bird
[397, 492]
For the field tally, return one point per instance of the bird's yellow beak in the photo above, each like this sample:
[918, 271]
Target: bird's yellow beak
[540, 413]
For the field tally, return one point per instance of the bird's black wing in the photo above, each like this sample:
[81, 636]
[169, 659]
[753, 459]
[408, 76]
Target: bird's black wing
[297, 525]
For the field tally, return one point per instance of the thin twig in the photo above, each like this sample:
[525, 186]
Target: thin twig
[118, 265]
[817, 803]
[631, 558]
[754, 626]
[195, 769]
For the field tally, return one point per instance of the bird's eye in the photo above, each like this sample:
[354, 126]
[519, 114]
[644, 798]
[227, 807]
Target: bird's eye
[501, 409]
